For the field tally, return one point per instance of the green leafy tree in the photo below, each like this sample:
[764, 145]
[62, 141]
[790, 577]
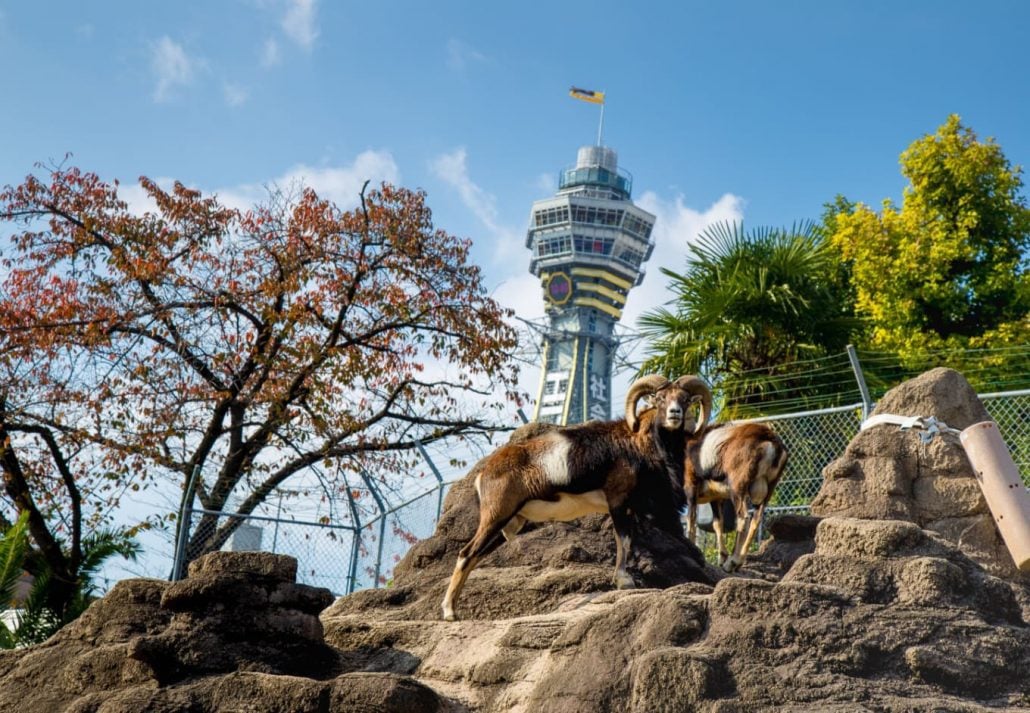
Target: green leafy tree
[14, 547]
[747, 309]
[948, 270]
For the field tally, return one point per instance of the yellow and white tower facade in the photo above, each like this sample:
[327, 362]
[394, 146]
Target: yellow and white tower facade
[589, 245]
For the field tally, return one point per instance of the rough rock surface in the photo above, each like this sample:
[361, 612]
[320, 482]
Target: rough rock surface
[874, 606]
[889, 473]
[237, 635]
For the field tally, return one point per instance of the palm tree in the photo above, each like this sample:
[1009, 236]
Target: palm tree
[14, 546]
[747, 312]
[38, 620]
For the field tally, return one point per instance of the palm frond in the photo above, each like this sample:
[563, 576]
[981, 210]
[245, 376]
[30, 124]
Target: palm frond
[14, 545]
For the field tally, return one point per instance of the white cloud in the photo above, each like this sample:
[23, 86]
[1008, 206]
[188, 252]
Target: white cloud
[452, 168]
[172, 67]
[138, 200]
[547, 183]
[522, 293]
[676, 226]
[299, 23]
[234, 94]
[460, 55]
[339, 184]
[270, 53]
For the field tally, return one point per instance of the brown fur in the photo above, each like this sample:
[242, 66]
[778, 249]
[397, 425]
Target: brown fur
[560, 473]
[749, 463]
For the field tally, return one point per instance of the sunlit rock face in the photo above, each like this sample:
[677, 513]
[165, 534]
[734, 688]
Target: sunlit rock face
[890, 473]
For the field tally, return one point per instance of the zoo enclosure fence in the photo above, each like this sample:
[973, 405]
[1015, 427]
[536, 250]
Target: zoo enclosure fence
[362, 554]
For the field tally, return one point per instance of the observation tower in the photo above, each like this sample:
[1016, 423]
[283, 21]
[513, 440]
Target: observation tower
[589, 243]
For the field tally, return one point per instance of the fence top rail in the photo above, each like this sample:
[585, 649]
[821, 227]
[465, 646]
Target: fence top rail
[1002, 394]
[801, 414]
[238, 516]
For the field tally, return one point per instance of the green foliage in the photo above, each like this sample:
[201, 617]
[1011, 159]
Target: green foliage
[38, 620]
[948, 271]
[749, 309]
[14, 545]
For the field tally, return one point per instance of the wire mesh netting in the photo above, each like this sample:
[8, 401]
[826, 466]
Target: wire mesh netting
[385, 541]
[323, 551]
[813, 440]
[1012, 414]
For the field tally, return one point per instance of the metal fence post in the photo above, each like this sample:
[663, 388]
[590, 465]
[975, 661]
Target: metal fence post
[355, 545]
[382, 525]
[867, 402]
[436, 474]
[185, 520]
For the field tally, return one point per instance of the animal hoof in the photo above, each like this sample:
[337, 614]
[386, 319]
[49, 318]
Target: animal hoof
[449, 616]
[731, 565]
[624, 581]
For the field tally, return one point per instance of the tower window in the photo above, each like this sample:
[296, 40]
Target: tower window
[591, 245]
[551, 216]
[556, 245]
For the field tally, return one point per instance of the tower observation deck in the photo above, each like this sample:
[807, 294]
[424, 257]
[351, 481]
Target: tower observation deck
[589, 244]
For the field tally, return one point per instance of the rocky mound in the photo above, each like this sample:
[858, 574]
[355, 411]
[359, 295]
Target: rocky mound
[237, 635]
[889, 473]
[896, 599]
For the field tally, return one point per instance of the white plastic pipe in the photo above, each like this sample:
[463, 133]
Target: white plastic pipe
[1003, 489]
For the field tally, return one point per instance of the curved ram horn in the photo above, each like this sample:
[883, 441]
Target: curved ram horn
[695, 386]
[645, 385]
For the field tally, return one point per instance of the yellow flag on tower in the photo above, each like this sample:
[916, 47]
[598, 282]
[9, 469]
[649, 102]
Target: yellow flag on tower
[586, 95]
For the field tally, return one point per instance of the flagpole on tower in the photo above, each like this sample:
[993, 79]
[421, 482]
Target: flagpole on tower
[588, 95]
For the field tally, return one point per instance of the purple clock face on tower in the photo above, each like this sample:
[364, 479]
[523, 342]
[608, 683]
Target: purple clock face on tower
[558, 288]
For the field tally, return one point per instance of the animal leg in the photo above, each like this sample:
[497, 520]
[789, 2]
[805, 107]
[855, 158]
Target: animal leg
[717, 526]
[756, 520]
[744, 518]
[469, 556]
[692, 520]
[621, 524]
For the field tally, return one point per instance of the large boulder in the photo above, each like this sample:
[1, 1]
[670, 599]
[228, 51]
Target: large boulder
[889, 473]
[237, 634]
[879, 616]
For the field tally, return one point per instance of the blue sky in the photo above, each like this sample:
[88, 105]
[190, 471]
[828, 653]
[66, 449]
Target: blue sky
[752, 109]
[760, 110]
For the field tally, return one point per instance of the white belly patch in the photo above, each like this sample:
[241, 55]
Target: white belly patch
[567, 507]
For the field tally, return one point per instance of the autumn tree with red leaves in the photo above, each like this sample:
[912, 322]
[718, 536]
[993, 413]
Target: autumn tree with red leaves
[246, 346]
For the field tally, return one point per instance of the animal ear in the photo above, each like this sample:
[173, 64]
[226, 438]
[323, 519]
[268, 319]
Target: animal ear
[695, 398]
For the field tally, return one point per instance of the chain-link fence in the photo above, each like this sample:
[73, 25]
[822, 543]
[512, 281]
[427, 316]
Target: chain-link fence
[341, 557]
[813, 439]
[1011, 411]
[363, 554]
